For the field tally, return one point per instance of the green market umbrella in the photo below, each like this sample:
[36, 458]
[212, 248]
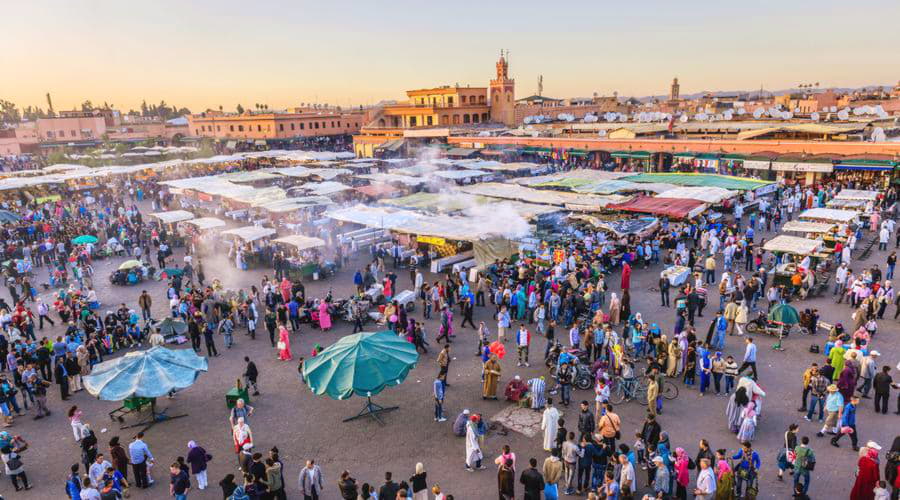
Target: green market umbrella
[784, 313]
[362, 364]
[172, 271]
[84, 239]
[128, 264]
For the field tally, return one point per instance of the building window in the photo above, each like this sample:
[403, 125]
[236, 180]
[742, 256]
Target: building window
[339, 124]
[474, 117]
[231, 128]
[456, 119]
[302, 125]
[484, 117]
[292, 126]
[72, 133]
[412, 121]
[429, 120]
[218, 128]
[281, 127]
[508, 96]
[317, 124]
[481, 99]
[450, 100]
[259, 128]
[462, 99]
[240, 128]
[466, 118]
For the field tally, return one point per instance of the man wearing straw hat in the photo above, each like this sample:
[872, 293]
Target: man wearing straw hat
[834, 404]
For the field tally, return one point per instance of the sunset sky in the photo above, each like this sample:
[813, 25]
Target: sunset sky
[208, 53]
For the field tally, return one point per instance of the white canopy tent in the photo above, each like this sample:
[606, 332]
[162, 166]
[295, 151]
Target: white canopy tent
[173, 216]
[250, 233]
[799, 226]
[793, 244]
[829, 214]
[712, 195]
[206, 223]
[300, 242]
[857, 194]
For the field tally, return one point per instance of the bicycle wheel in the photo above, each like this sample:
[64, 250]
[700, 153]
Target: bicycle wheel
[618, 393]
[670, 390]
[640, 394]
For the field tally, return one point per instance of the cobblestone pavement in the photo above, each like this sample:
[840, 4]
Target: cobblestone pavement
[304, 426]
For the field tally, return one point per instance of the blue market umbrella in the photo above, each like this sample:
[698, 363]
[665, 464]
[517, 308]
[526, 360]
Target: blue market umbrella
[146, 374]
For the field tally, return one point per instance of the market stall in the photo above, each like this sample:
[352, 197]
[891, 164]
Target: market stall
[249, 249]
[829, 215]
[813, 230]
[670, 207]
[169, 220]
[304, 259]
[799, 260]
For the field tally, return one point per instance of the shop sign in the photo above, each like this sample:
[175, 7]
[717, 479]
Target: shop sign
[431, 240]
[787, 166]
[756, 165]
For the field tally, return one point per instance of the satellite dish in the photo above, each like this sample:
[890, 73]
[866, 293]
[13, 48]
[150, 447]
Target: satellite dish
[833, 109]
[757, 113]
[741, 111]
[787, 115]
[602, 133]
[878, 135]
[683, 119]
[814, 117]
[843, 115]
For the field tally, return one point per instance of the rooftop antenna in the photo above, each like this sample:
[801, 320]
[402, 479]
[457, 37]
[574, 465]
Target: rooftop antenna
[540, 85]
[49, 104]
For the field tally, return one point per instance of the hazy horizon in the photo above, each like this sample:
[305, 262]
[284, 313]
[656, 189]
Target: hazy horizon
[205, 54]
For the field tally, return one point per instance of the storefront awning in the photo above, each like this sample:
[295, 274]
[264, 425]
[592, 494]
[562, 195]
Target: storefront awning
[671, 207]
[870, 165]
[637, 155]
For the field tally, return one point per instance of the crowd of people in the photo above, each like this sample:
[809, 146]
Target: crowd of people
[578, 300]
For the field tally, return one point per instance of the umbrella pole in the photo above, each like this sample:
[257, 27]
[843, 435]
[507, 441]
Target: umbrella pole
[155, 418]
[372, 410]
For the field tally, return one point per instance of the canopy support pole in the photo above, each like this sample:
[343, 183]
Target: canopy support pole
[154, 418]
[372, 410]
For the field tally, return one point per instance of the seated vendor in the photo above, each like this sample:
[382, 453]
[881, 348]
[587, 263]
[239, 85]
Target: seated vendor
[515, 389]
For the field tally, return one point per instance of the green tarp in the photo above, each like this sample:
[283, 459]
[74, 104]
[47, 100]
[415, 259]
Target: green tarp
[702, 180]
[639, 155]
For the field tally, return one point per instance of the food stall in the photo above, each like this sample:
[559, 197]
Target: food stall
[674, 208]
[249, 249]
[829, 215]
[169, 220]
[201, 231]
[803, 255]
[304, 259]
[827, 231]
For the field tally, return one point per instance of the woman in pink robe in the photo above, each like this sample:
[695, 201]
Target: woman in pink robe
[284, 344]
[626, 276]
[286, 290]
[324, 317]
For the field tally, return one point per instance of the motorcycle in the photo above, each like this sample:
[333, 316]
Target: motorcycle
[584, 379]
[762, 324]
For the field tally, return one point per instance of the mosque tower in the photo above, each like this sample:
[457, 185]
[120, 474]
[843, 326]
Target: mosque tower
[503, 94]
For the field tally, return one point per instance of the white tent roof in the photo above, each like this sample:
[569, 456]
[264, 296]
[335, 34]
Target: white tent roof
[831, 214]
[300, 242]
[857, 194]
[250, 233]
[173, 216]
[793, 244]
[799, 226]
[460, 174]
[705, 194]
[204, 223]
[325, 188]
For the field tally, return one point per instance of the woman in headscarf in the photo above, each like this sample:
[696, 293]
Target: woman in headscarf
[837, 359]
[284, 344]
[748, 423]
[682, 473]
[241, 435]
[615, 309]
[324, 316]
[735, 408]
[724, 477]
[847, 381]
[867, 476]
[521, 303]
